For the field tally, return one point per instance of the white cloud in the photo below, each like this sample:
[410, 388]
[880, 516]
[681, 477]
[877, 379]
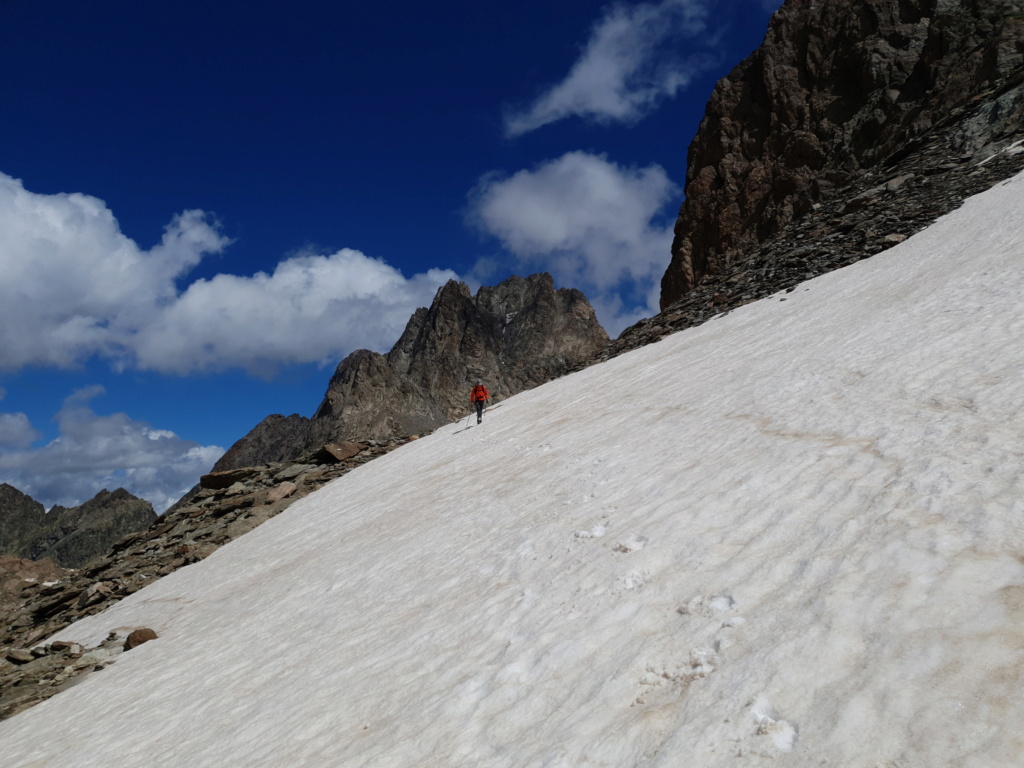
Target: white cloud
[312, 308]
[16, 431]
[629, 64]
[590, 222]
[93, 452]
[74, 287]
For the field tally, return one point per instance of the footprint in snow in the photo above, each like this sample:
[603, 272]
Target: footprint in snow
[632, 544]
[595, 532]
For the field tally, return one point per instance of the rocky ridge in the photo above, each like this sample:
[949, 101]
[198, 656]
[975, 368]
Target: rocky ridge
[70, 536]
[514, 336]
[836, 89]
[40, 599]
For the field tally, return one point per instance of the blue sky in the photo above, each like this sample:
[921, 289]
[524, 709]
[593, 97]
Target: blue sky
[205, 206]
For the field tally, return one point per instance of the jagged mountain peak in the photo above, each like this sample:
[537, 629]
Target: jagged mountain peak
[514, 336]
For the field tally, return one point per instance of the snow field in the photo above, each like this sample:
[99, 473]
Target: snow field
[792, 536]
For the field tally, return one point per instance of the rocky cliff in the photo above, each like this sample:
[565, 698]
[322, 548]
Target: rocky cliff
[73, 536]
[21, 516]
[513, 336]
[839, 88]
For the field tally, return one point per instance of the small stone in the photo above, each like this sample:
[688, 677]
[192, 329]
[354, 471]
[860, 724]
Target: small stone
[282, 491]
[235, 489]
[293, 471]
[19, 656]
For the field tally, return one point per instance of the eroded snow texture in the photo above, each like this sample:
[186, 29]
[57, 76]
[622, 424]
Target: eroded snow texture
[792, 536]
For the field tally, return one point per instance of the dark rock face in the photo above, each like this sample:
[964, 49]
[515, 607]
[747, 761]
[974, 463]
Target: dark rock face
[513, 336]
[71, 537]
[837, 88]
[878, 211]
[20, 517]
[273, 439]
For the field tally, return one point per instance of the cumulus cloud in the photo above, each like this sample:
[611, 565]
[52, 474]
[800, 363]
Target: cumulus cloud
[75, 286]
[311, 308]
[93, 452]
[16, 431]
[593, 224]
[629, 64]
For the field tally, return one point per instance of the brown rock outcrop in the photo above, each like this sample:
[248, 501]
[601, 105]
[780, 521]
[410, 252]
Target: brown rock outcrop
[836, 88]
[21, 516]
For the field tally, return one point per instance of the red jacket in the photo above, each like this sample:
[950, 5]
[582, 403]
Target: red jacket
[479, 393]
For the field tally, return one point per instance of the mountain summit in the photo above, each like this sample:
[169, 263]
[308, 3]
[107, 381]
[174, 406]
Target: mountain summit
[514, 336]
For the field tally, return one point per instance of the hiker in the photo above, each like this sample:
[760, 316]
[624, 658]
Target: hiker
[479, 396]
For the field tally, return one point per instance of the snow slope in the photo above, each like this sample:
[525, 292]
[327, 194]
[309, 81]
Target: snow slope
[793, 536]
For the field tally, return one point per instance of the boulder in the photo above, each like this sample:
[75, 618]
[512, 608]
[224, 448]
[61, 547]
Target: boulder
[139, 636]
[333, 452]
[224, 479]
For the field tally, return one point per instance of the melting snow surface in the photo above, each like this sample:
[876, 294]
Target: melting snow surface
[792, 536]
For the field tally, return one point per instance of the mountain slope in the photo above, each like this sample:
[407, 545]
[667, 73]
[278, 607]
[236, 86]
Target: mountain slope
[788, 536]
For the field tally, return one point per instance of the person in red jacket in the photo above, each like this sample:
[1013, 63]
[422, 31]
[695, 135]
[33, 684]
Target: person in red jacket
[479, 396]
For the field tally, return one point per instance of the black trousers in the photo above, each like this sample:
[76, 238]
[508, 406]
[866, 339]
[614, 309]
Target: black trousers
[479, 410]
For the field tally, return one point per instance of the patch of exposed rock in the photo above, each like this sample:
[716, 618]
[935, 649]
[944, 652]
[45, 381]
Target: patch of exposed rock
[514, 336]
[41, 599]
[837, 89]
[71, 536]
[21, 516]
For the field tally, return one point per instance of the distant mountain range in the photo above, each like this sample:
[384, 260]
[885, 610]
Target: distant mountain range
[70, 536]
